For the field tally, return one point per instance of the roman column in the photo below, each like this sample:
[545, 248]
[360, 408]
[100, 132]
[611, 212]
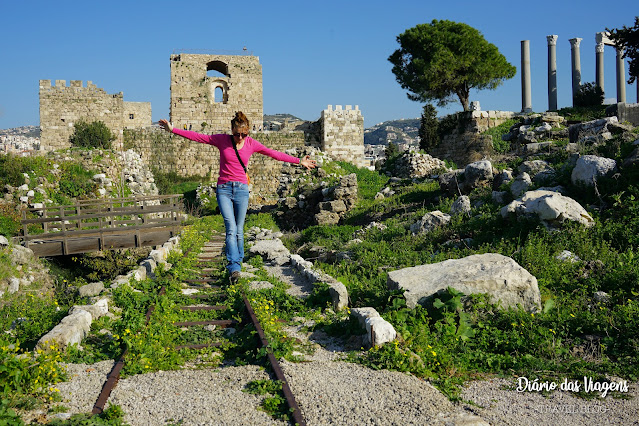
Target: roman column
[526, 103]
[552, 72]
[599, 64]
[576, 66]
[621, 76]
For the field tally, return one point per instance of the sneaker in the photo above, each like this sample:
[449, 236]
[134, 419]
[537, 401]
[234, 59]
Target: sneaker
[235, 277]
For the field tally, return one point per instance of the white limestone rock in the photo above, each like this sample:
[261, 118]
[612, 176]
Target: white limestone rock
[91, 289]
[590, 168]
[272, 250]
[497, 275]
[520, 184]
[429, 222]
[379, 331]
[71, 330]
[552, 208]
[461, 206]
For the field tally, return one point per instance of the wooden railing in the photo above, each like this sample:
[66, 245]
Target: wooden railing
[102, 224]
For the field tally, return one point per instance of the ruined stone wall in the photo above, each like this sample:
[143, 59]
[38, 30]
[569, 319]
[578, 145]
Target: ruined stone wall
[343, 134]
[463, 148]
[137, 115]
[172, 153]
[481, 121]
[197, 105]
[628, 112]
[62, 106]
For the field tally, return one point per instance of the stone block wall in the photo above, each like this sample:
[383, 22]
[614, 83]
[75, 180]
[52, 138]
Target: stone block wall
[628, 112]
[137, 115]
[343, 134]
[208, 103]
[171, 153]
[463, 148]
[484, 120]
[62, 106]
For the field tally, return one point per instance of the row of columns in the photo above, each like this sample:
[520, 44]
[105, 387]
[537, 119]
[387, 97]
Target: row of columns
[575, 60]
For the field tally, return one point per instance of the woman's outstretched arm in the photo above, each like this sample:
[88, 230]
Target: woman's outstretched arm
[194, 136]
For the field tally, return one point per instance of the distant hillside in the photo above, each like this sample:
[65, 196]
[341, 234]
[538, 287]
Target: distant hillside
[280, 117]
[26, 131]
[397, 131]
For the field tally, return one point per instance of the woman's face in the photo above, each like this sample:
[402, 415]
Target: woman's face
[239, 134]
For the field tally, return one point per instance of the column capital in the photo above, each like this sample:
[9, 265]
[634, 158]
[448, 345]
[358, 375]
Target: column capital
[574, 42]
[599, 48]
[552, 39]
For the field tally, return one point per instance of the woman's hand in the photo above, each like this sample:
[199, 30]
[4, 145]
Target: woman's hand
[166, 125]
[308, 163]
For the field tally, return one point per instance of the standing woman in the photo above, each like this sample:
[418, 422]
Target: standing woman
[232, 184]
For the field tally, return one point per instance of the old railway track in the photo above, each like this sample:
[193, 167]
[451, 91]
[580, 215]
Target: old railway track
[206, 293]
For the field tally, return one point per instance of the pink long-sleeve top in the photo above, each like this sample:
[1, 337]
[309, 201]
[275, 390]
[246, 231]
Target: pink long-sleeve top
[230, 167]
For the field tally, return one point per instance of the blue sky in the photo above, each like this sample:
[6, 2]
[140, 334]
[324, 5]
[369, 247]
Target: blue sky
[312, 54]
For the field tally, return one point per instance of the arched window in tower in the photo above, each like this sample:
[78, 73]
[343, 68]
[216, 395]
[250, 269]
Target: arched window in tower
[218, 95]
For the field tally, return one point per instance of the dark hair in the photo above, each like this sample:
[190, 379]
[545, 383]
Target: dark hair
[240, 121]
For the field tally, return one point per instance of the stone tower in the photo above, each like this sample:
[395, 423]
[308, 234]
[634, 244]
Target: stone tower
[62, 106]
[207, 103]
[343, 134]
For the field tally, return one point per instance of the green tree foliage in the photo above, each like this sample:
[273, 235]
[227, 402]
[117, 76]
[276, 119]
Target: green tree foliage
[92, 135]
[589, 95]
[392, 150]
[628, 38]
[443, 59]
[428, 128]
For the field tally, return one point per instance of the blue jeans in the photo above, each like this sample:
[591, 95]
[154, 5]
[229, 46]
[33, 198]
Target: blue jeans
[232, 198]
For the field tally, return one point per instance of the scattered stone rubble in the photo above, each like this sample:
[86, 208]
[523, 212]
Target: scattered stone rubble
[417, 165]
[322, 205]
[27, 271]
[76, 325]
[267, 244]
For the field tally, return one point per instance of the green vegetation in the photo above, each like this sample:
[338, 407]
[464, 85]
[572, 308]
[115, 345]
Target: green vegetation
[589, 95]
[500, 146]
[428, 128]
[275, 403]
[445, 59]
[92, 135]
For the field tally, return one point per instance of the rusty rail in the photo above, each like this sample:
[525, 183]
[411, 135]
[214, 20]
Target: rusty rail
[114, 375]
[290, 399]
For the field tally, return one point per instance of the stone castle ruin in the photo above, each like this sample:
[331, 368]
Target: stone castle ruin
[62, 106]
[206, 91]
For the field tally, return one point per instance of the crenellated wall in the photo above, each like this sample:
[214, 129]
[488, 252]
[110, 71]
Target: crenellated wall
[342, 133]
[62, 106]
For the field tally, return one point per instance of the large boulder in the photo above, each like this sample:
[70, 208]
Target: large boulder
[272, 250]
[520, 184]
[429, 222]
[497, 275]
[476, 174]
[592, 131]
[552, 208]
[71, 330]
[590, 168]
